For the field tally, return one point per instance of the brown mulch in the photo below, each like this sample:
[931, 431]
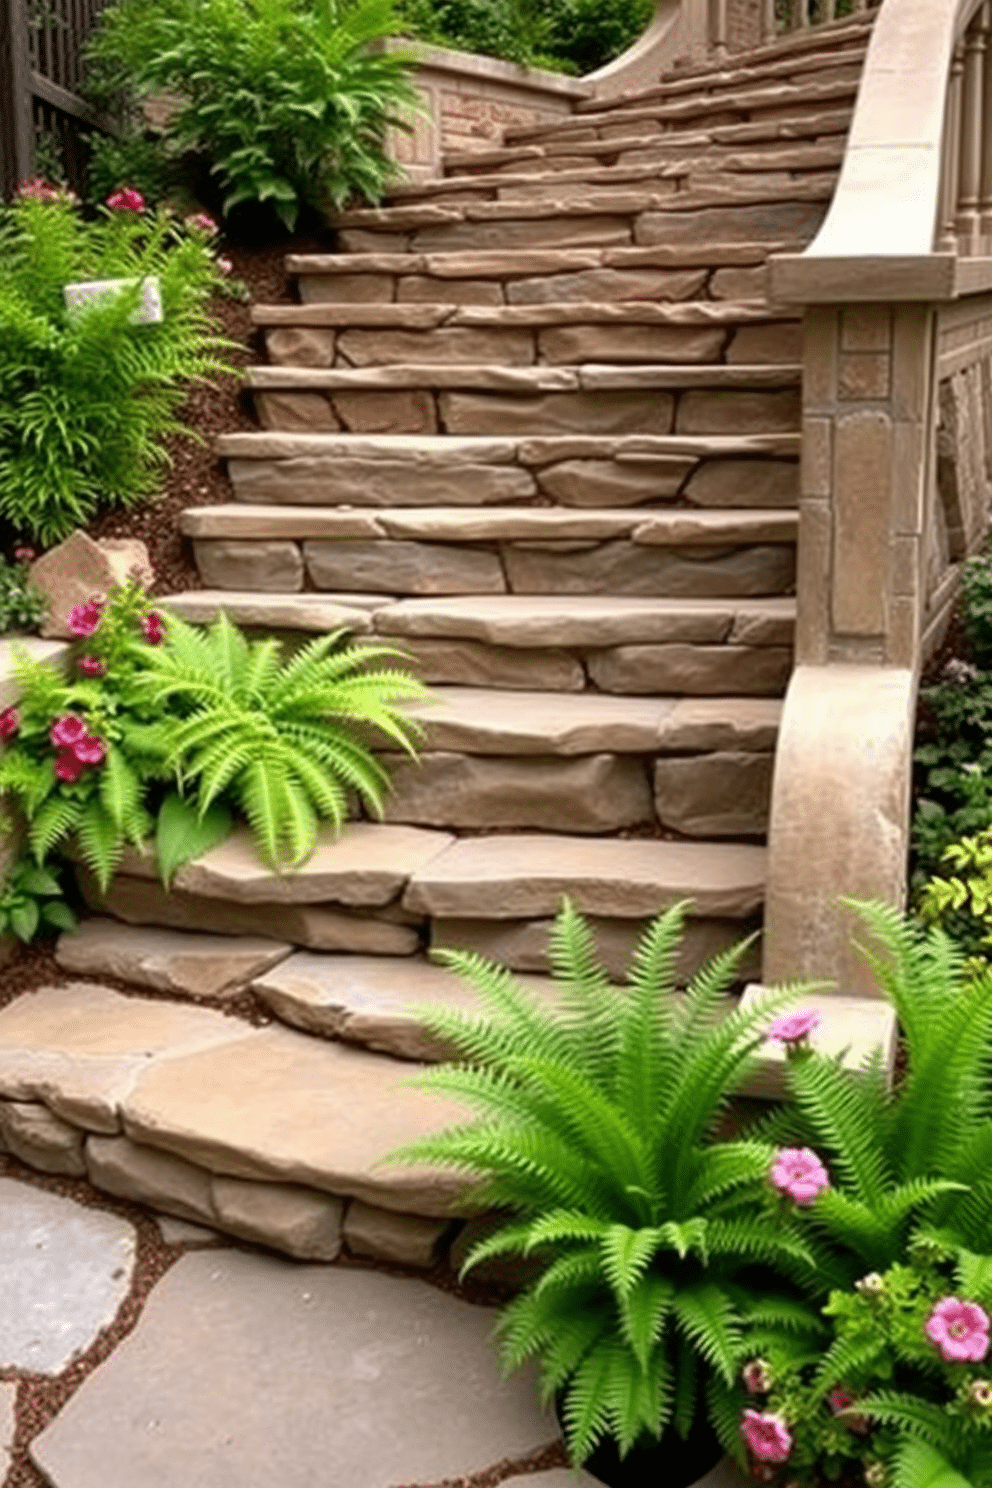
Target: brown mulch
[196, 477]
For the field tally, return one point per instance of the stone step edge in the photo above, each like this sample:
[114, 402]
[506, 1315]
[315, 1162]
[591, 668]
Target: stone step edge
[590, 377]
[506, 449]
[520, 262]
[432, 316]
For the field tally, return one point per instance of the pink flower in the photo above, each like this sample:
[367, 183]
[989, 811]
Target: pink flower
[67, 731]
[839, 1399]
[798, 1172]
[152, 629]
[141, 572]
[794, 1027]
[127, 199]
[755, 1377]
[10, 722]
[202, 222]
[960, 1330]
[92, 666]
[86, 618]
[24, 555]
[68, 767]
[766, 1435]
[226, 265]
[35, 186]
[89, 751]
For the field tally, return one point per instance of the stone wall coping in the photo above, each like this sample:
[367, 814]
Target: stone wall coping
[429, 58]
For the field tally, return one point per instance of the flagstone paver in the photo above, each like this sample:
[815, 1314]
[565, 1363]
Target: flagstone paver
[44, 1240]
[246, 1372]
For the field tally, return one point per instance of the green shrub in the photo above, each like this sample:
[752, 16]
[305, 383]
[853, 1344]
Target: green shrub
[283, 97]
[576, 36]
[163, 730]
[597, 1132]
[20, 608]
[87, 398]
[132, 159]
[31, 900]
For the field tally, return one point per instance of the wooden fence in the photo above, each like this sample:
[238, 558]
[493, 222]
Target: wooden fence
[41, 44]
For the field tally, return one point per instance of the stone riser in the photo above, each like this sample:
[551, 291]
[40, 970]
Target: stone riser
[644, 225]
[409, 568]
[515, 345]
[576, 478]
[624, 411]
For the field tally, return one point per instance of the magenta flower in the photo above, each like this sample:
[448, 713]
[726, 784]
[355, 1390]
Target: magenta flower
[202, 222]
[89, 751]
[85, 619]
[839, 1399]
[67, 731]
[798, 1172]
[24, 555]
[127, 199]
[226, 265]
[35, 186]
[766, 1435]
[68, 767]
[152, 629]
[10, 722]
[755, 1377]
[960, 1330]
[794, 1028]
[92, 666]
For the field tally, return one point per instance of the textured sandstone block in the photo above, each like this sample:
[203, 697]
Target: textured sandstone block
[538, 232]
[778, 342]
[423, 287]
[41, 1139]
[510, 345]
[591, 413]
[390, 567]
[627, 568]
[612, 483]
[382, 1234]
[78, 568]
[298, 1221]
[477, 665]
[296, 412]
[361, 289]
[632, 343]
[196, 965]
[608, 284]
[757, 223]
[356, 482]
[761, 670]
[715, 795]
[231, 564]
[300, 346]
[122, 1167]
[405, 411]
[744, 483]
[719, 412]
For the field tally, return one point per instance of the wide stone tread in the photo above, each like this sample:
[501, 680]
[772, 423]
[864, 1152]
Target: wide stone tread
[334, 313]
[307, 612]
[526, 381]
[442, 450]
[529, 874]
[476, 720]
[518, 263]
[492, 524]
[590, 621]
[205, 966]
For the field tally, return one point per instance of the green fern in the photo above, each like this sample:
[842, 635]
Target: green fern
[596, 1132]
[285, 744]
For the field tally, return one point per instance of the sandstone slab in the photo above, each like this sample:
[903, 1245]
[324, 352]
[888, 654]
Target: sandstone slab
[527, 875]
[364, 1000]
[552, 620]
[268, 565]
[212, 966]
[608, 284]
[297, 1221]
[231, 519]
[318, 480]
[319, 1114]
[852, 1030]
[509, 344]
[77, 569]
[79, 1048]
[480, 720]
[601, 413]
[732, 723]
[41, 1139]
[755, 223]
[407, 411]
[739, 483]
[630, 569]
[398, 567]
[142, 901]
[714, 795]
[66, 1270]
[295, 411]
[408, 1389]
[728, 670]
[631, 343]
[184, 1232]
[610, 483]
[587, 793]
[131, 1171]
[309, 612]
[404, 1239]
[463, 524]
[469, 662]
[719, 411]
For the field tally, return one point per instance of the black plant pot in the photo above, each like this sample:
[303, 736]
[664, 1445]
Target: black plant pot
[670, 1460]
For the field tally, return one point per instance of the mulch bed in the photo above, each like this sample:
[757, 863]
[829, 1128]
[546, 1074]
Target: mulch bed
[196, 477]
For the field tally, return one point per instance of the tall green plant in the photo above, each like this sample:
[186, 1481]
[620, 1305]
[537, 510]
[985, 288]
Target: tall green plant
[597, 1130]
[284, 97]
[87, 397]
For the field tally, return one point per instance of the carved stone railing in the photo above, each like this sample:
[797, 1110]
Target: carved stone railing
[896, 462]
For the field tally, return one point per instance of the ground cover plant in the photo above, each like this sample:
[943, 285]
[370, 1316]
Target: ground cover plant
[167, 734]
[87, 396]
[282, 100]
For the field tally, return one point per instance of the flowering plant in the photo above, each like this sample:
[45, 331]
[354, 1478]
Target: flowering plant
[903, 1392]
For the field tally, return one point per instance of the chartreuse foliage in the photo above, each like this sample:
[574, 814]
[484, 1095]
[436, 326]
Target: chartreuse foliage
[881, 1395]
[915, 1150]
[87, 398]
[596, 1129]
[278, 741]
[31, 899]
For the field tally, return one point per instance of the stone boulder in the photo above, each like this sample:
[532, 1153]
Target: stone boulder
[78, 568]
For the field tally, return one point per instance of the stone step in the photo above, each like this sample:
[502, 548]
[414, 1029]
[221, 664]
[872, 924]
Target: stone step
[738, 103]
[258, 610]
[823, 125]
[657, 398]
[339, 334]
[676, 271]
[397, 470]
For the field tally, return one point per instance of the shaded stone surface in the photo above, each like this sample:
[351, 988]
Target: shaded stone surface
[168, 960]
[404, 568]
[353, 1377]
[267, 566]
[384, 1235]
[182, 1232]
[64, 1272]
[41, 1139]
[715, 795]
[295, 1220]
[476, 664]
[122, 1167]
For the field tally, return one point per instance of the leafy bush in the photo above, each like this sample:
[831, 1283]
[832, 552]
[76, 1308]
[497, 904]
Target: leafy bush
[20, 608]
[598, 1133]
[30, 900]
[132, 159]
[903, 1390]
[283, 97]
[87, 398]
[576, 36]
[164, 730]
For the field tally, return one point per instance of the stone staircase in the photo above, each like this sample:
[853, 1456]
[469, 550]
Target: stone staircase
[536, 424]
